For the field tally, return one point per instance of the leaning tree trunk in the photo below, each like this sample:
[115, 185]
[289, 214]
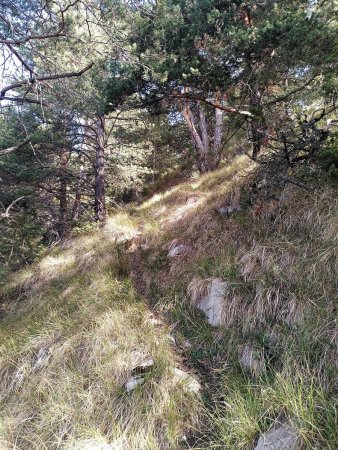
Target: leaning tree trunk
[198, 144]
[100, 200]
[63, 203]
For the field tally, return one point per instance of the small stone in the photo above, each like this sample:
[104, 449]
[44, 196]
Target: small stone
[133, 382]
[154, 321]
[192, 200]
[145, 246]
[140, 361]
[176, 249]
[225, 211]
[186, 345]
[147, 362]
[189, 383]
[282, 437]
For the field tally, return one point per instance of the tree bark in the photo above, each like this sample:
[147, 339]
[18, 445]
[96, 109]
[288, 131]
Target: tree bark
[100, 200]
[207, 157]
[196, 138]
[63, 225]
[203, 128]
[78, 191]
[218, 132]
[258, 126]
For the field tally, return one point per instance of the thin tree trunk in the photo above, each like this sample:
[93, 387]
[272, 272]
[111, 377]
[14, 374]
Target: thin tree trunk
[203, 128]
[196, 138]
[258, 126]
[207, 158]
[100, 200]
[78, 191]
[63, 203]
[218, 132]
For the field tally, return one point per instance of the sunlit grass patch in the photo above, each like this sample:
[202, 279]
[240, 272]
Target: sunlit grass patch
[70, 345]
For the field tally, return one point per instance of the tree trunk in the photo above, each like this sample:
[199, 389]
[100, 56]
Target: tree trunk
[203, 128]
[78, 191]
[100, 200]
[63, 225]
[258, 126]
[207, 158]
[198, 144]
[218, 132]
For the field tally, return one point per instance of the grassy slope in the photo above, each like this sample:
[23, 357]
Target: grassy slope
[88, 307]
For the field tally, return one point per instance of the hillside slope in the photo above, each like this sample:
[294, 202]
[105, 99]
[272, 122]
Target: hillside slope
[104, 345]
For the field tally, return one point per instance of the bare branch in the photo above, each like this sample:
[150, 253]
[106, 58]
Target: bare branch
[227, 109]
[31, 81]
[23, 100]
[5, 215]
[15, 147]
[288, 94]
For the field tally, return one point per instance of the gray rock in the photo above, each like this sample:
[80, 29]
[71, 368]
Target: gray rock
[189, 383]
[282, 437]
[192, 200]
[133, 382]
[140, 361]
[225, 211]
[154, 321]
[176, 249]
[209, 298]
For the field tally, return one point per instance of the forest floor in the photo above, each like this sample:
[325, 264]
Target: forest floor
[102, 345]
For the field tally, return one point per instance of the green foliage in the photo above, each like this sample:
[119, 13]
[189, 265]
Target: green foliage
[329, 156]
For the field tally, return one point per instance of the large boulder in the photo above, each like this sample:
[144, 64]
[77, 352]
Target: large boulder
[282, 437]
[208, 296]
